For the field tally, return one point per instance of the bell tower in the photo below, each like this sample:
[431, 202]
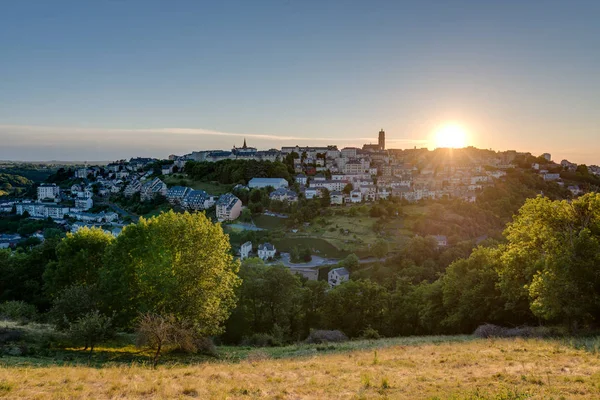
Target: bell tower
[381, 139]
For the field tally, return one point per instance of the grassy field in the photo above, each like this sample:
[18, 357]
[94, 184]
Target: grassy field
[269, 222]
[320, 247]
[410, 368]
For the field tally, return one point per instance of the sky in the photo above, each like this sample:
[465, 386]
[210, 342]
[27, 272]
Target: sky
[105, 80]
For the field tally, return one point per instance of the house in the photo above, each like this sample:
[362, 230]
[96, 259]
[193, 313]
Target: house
[245, 250]
[575, 190]
[266, 182]
[84, 203]
[48, 191]
[336, 198]
[151, 189]
[167, 169]
[229, 207]
[355, 196]
[176, 194]
[551, 177]
[301, 179]
[266, 251]
[442, 241]
[337, 276]
[310, 193]
[283, 194]
[133, 188]
[7, 241]
[198, 200]
[353, 167]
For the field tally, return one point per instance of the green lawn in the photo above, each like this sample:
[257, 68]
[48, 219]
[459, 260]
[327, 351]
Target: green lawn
[320, 247]
[269, 222]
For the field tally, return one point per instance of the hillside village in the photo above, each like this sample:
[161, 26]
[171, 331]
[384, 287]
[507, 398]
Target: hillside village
[343, 177]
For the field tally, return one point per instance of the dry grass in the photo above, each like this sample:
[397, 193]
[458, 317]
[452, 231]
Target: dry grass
[494, 369]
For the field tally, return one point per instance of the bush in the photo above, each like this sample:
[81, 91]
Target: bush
[260, 340]
[205, 345]
[72, 303]
[91, 329]
[18, 311]
[494, 331]
[8, 335]
[324, 336]
[370, 333]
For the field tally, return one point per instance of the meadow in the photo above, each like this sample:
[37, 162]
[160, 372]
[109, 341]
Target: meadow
[404, 368]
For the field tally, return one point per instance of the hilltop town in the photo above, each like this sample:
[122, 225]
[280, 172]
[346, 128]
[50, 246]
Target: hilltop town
[265, 193]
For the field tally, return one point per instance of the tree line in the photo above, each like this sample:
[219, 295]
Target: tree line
[179, 266]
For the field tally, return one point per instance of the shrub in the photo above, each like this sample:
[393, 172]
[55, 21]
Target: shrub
[18, 311]
[324, 336]
[72, 303]
[490, 330]
[90, 329]
[205, 345]
[370, 333]
[260, 340]
[8, 335]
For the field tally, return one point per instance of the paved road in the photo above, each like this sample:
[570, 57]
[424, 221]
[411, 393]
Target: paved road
[121, 211]
[317, 261]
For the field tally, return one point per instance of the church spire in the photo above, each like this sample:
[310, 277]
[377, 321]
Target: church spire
[244, 147]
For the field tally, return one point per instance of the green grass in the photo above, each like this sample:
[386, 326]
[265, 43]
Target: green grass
[269, 222]
[319, 246]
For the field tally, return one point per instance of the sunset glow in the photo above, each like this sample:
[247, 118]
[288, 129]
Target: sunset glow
[451, 136]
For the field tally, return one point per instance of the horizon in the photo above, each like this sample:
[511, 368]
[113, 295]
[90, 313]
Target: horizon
[107, 81]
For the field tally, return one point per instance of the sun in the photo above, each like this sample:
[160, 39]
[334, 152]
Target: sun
[453, 136]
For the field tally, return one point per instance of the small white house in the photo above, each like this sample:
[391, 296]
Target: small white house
[355, 196]
[245, 250]
[442, 241]
[337, 276]
[266, 251]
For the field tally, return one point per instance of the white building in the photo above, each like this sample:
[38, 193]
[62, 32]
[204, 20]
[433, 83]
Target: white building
[355, 196]
[245, 250]
[266, 251]
[48, 191]
[229, 207]
[84, 203]
[338, 276]
[442, 241]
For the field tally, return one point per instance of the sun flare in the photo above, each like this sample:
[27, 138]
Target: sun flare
[453, 136]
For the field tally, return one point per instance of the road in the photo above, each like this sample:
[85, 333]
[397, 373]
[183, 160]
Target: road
[318, 261]
[121, 211]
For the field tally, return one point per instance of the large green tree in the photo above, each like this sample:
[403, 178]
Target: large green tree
[552, 259]
[80, 258]
[176, 264]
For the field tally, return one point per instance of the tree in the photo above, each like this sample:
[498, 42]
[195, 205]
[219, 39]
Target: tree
[380, 249]
[73, 303]
[551, 260]
[348, 188]
[470, 292]
[176, 264]
[80, 259]
[325, 199]
[157, 332]
[91, 329]
[356, 305]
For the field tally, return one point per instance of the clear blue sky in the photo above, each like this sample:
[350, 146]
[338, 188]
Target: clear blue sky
[101, 80]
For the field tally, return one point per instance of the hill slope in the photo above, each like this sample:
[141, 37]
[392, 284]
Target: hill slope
[479, 369]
